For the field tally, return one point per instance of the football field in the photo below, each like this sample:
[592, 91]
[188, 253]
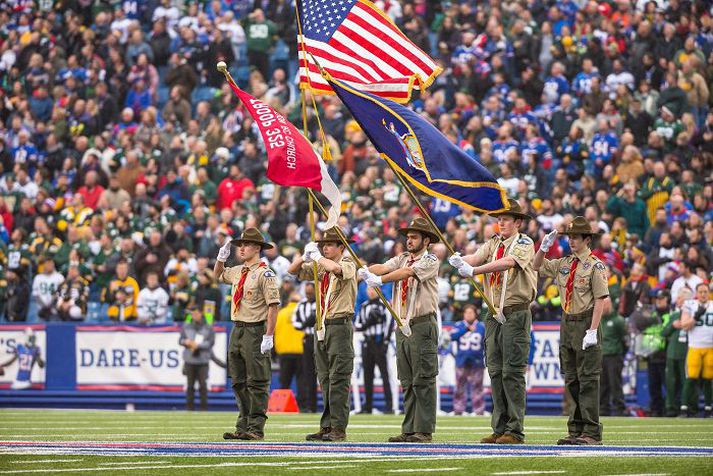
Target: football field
[137, 443]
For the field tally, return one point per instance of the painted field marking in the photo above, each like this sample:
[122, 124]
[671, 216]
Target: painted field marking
[528, 472]
[131, 462]
[322, 467]
[421, 470]
[38, 461]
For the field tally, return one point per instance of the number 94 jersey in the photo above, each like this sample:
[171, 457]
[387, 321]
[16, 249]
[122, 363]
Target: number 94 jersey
[702, 334]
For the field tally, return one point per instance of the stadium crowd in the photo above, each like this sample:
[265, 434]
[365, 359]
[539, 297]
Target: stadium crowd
[127, 160]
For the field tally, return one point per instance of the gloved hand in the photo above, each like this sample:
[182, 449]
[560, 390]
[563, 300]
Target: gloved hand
[311, 246]
[456, 260]
[224, 252]
[373, 281]
[267, 343]
[590, 339]
[314, 255]
[363, 273]
[465, 270]
[548, 241]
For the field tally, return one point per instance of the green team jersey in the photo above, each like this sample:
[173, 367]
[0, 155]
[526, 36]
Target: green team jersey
[462, 293]
[676, 339]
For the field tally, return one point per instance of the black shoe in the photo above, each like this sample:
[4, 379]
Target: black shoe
[365, 412]
[568, 440]
[236, 435]
[319, 436]
[250, 436]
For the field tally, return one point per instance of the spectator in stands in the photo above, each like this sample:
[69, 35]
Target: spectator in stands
[45, 287]
[16, 295]
[121, 294]
[152, 303]
[73, 295]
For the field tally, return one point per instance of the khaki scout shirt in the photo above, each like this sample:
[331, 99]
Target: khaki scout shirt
[260, 291]
[422, 297]
[522, 279]
[341, 290]
[590, 280]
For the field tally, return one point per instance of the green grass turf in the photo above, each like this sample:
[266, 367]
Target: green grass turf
[177, 426]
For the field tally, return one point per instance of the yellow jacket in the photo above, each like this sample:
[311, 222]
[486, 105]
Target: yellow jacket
[288, 340]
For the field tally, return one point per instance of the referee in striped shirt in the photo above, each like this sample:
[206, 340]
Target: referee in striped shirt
[304, 319]
[377, 325]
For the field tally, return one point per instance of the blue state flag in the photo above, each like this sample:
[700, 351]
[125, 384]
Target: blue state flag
[419, 152]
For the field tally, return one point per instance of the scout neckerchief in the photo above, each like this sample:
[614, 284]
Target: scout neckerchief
[238, 296]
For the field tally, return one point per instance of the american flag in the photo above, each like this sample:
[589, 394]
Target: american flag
[357, 43]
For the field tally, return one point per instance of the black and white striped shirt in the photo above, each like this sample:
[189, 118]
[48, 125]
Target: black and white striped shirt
[374, 320]
[303, 318]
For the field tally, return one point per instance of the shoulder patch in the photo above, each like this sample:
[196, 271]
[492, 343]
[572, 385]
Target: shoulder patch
[524, 240]
[599, 266]
[430, 256]
[269, 273]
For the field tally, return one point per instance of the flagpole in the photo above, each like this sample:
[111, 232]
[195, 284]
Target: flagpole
[359, 264]
[427, 216]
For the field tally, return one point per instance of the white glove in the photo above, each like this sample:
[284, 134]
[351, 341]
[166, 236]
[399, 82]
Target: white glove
[267, 343]
[363, 273]
[465, 270]
[456, 260]
[314, 255]
[311, 246]
[548, 241]
[373, 281]
[590, 339]
[224, 252]
[306, 258]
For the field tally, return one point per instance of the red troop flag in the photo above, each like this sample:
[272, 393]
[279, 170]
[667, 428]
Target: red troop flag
[291, 160]
[357, 43]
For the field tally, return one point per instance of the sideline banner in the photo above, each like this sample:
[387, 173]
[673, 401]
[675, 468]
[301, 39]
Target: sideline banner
[135, 358]
[26, 347]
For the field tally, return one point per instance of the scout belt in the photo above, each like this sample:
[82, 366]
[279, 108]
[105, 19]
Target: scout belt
[515, 308]
[424, 318]
[249, 324]
[339, 320]
[578, 317]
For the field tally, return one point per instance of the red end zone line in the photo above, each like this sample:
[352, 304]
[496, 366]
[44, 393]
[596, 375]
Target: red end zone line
[132, 329]
[18, 327]
[156, 388]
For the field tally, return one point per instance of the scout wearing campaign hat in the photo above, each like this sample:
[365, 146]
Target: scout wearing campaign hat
[514, 210]
[581, 280]
[415, 300]
[420, 225]
[331, 236]
[252, 235]
[580, 226]
[255, 298]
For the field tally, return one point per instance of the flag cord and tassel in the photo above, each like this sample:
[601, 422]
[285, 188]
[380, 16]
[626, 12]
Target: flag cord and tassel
[404, 326]
[425, 214]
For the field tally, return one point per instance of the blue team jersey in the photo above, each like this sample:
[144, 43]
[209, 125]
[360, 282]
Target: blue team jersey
[442, 211]
[502, 148]
[26, 357]
[603, 146]
[470, 346]
[523, 119]
[582, 83]
[536, 150]
[555, 86]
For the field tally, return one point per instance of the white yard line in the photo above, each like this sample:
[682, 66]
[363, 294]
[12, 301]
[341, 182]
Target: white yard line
[421, 470]
[321, 467]
[127, 463]
[38, 461]
[528, 472]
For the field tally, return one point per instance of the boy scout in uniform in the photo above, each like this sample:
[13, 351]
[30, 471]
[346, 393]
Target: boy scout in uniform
[415, 301]
[256, 297]
[511, 283]
[582, 283]
[334, 356]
